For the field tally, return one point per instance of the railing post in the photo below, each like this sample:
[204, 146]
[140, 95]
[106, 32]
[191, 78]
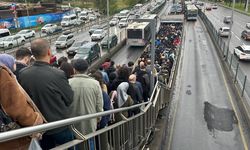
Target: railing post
[231, 60]
[244, 85]
[236, 73]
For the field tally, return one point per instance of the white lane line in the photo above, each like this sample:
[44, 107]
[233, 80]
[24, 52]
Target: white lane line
[238, 38]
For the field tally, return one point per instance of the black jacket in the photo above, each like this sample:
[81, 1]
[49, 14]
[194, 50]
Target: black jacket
[19, 66]
[49, 89]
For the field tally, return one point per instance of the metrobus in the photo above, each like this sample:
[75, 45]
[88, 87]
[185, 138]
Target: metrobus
[191, 12]
[138, 34]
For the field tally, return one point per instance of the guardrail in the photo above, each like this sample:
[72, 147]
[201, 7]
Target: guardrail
[117, 136]
[231, 61]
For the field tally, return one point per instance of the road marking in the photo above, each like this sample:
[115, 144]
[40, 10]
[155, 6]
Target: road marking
[232, 103]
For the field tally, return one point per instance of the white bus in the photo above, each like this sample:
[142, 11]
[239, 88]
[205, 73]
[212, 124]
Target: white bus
[69, 20]
[138, 34]
[191, 12]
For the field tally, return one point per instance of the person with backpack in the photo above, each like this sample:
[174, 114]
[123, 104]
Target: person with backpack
[143, 77]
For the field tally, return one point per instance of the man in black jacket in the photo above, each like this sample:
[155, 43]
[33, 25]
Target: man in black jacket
[23, 56]
[50, 90]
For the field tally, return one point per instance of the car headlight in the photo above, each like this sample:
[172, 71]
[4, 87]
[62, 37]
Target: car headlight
[85, 57]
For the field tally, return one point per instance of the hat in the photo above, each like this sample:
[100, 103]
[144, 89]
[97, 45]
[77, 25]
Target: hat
[80, 65]
[8, 61]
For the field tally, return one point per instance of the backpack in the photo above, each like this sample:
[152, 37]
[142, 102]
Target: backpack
[142, 76]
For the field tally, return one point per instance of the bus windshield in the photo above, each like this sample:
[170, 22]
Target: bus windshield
[134, 33]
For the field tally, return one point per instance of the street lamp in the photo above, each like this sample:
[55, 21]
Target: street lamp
[230, 30]
[28, 13]
[108, 25]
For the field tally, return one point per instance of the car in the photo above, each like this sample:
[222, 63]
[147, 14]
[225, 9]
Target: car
[214, 6]
[248, 25]
[113, 22]
[208, 7]
[242, 52]
[27, 33]
[123, 23]
[113, 40]
[227, 19]
[72, 50]
[94, 27]
[245, 34]
[49, 28]
[98, 34]
[89, 51]
[224, 31]
[64, 41]
[92, 17]
[12, 41]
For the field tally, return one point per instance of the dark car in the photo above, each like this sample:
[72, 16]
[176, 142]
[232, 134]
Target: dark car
[227, 19]
[93, 28]
[245, 34]
[113, 39]
[89, 51]
[73, 49]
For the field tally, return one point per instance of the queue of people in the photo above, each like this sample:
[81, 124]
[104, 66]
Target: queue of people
[33, 92]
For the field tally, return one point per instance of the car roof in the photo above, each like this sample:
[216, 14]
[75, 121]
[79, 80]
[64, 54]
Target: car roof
[225, 28]
[246, 47]
[248, 31]
[88, 45]
[98, 30]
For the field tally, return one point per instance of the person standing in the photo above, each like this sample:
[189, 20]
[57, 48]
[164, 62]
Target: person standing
[50, 91]
[87, 96]
[23, 56]
[14, 103]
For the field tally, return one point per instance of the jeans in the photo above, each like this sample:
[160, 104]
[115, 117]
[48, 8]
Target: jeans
[51, 141]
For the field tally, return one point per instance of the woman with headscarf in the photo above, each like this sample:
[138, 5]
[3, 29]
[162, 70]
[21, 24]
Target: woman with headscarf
[16, 104]
[123, 99]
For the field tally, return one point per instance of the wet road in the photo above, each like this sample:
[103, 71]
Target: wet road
[216, 16]
[202, 112]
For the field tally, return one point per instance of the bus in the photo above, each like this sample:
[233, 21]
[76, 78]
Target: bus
[191, 12]
[138, 34]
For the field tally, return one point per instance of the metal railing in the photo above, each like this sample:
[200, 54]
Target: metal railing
[238, 76]
[130, 133]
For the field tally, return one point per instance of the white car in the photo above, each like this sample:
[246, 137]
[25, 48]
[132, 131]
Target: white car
[98, 34]
[12, 41]
[27, 33]
[242, 52]
[123, 23]
[92, 17]
[113, 21]
[248, 25]
[64, 40]
[49, 28]
[224, 31]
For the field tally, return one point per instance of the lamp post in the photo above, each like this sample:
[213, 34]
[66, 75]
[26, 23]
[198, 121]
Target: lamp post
[27, 9]
[247, 6]
[108, 25]
[230, 30]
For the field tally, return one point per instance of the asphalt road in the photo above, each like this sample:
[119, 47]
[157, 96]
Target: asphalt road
[239, 24]
[202, 112]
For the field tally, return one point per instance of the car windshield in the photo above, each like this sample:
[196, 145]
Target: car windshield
[226, 30]
[47, 25]
[95, 27]
[123, 21]
[22, 32]
[62, 39]
[77, 44]
[83, 50]
[65, 19]
[98, 32]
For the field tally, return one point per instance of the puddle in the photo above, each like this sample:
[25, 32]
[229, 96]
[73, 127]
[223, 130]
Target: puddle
[219, 118]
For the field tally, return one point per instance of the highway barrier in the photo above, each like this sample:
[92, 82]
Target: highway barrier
[240, 80]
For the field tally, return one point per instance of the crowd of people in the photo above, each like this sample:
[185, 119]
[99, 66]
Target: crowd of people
[72, 89]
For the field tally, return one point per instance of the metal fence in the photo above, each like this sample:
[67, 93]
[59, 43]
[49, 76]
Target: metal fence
[232, 62]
